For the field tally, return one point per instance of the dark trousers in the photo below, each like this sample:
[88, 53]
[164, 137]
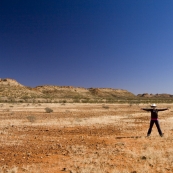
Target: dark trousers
[151, 126]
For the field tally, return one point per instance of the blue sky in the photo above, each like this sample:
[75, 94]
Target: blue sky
[118, 44]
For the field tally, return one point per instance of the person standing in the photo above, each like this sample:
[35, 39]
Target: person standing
[154, 118]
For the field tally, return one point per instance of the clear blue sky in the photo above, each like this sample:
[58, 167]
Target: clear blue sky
[125, 44]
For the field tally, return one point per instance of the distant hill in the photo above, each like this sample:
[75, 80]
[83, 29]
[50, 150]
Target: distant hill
[11, 90]
[146, 95]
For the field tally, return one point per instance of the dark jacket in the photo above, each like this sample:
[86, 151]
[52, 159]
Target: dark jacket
[154, 112]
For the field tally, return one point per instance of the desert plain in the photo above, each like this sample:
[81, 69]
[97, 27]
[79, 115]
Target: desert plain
[83, 138]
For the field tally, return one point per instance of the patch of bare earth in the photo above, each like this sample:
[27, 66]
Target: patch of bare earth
[83, 138]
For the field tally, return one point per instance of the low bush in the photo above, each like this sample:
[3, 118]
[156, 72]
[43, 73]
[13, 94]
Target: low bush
[48, 110]
[31, 118]
[105, 106]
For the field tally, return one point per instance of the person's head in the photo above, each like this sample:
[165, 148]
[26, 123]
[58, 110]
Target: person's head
[153, 105]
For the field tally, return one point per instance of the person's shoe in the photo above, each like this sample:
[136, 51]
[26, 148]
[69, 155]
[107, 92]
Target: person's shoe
[162, 135]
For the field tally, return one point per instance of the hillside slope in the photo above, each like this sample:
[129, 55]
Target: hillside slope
[11, 90]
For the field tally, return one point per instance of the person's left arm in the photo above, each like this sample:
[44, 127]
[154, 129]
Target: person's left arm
[164, 109]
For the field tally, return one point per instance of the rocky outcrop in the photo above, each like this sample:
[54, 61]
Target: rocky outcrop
[146, 95]
[12, 90]
[9, 82]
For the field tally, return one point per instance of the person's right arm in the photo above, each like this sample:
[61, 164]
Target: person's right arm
[146, 109]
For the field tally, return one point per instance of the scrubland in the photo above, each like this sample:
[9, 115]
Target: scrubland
[83, 138]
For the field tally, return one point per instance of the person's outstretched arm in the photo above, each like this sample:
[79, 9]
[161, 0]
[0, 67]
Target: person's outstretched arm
[146, 109]
[164, 109]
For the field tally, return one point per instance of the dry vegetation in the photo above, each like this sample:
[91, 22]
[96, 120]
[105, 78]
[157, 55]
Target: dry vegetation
[83, 138]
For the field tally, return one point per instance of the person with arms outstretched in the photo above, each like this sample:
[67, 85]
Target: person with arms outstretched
[154, 118]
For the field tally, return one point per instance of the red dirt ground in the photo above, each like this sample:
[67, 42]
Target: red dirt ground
[84, 138]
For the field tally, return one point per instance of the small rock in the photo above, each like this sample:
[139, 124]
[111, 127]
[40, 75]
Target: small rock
[63, 169]
[143, 158]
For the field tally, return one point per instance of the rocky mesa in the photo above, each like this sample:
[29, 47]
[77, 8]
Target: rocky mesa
[146, 95]
[11, 90]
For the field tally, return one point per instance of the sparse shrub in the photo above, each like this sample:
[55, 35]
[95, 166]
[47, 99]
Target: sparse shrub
[12, 113]
[76, 100]
[48, 110]
[6, 110]
[105, 106]
[62, 101]
[31, 118]
[25, 97]
[85, 101]
[131, 103]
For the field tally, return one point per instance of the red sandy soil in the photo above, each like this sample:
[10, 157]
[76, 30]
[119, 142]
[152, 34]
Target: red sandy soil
[84, 138]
